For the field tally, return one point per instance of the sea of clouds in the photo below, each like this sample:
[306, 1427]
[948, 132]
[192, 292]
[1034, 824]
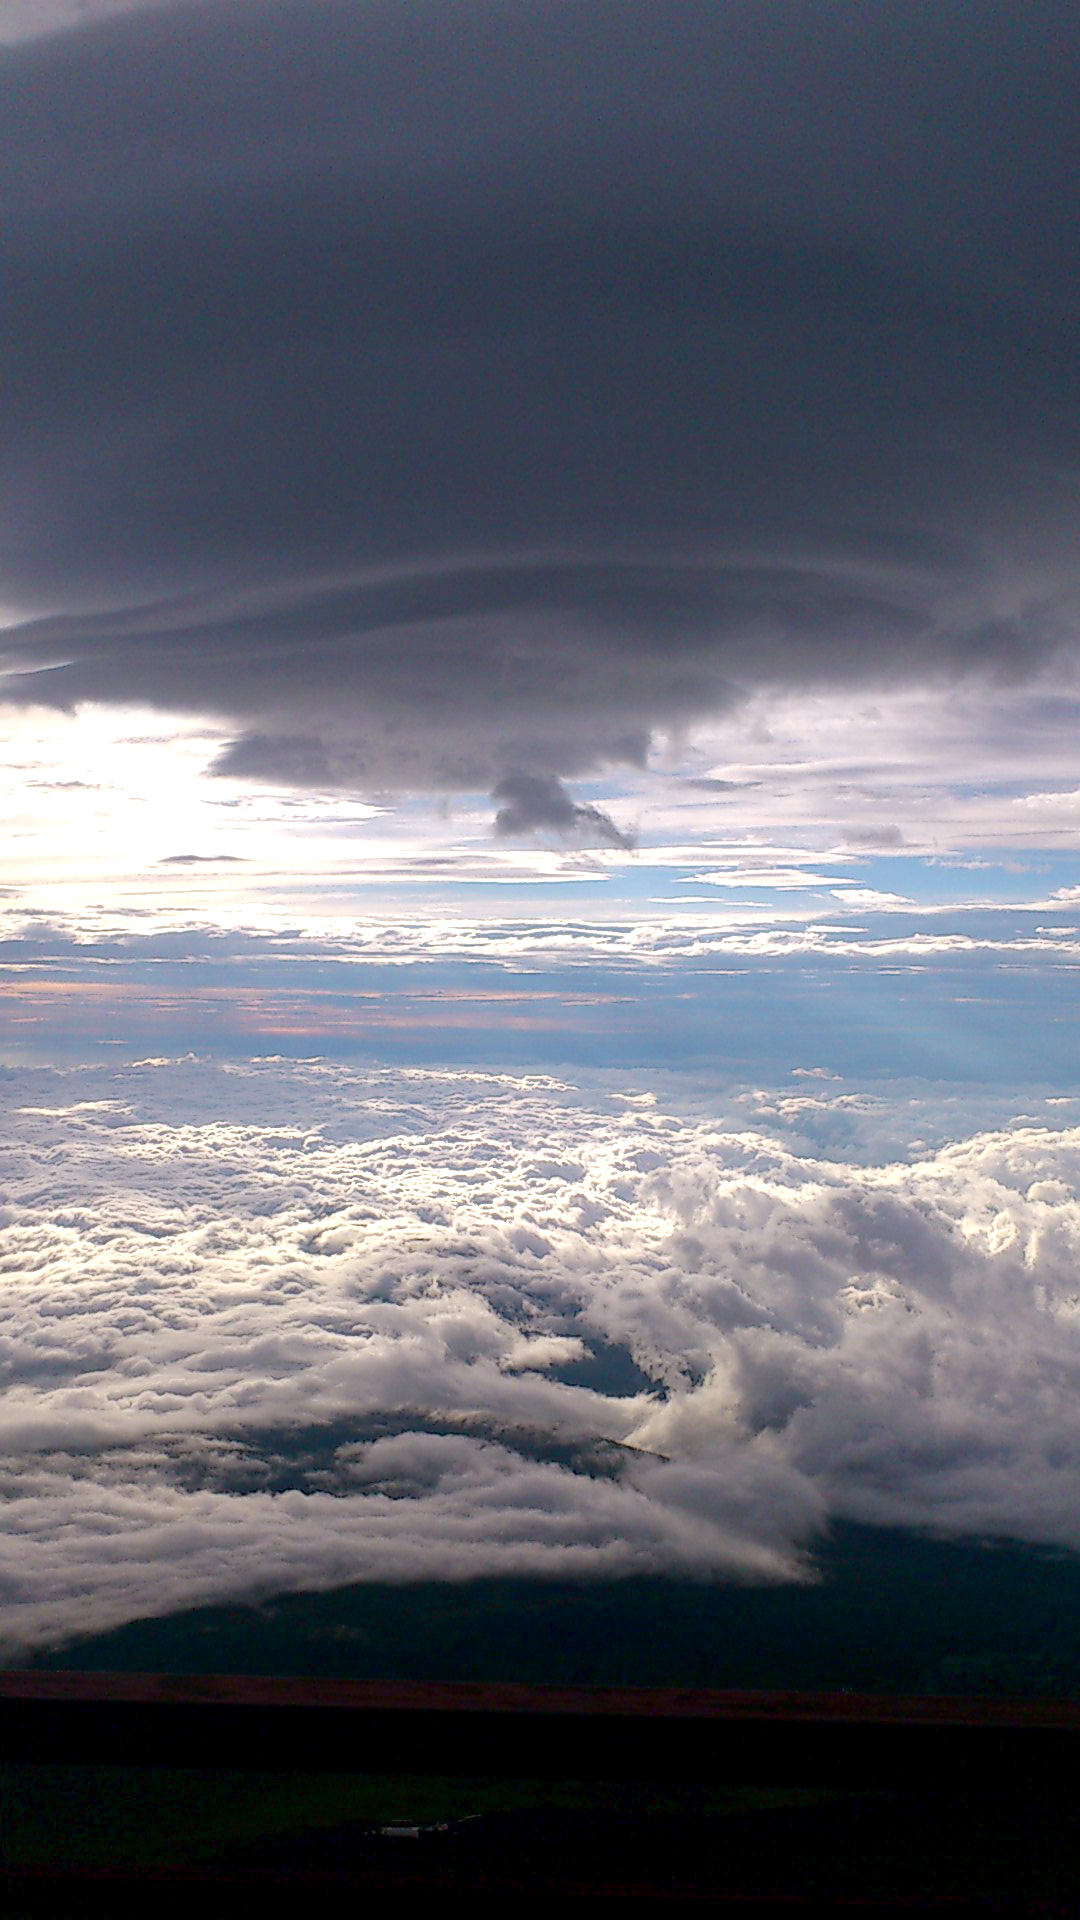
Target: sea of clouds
[282, 1325]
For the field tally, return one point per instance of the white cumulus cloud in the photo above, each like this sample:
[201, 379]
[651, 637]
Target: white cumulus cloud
[286, 1325]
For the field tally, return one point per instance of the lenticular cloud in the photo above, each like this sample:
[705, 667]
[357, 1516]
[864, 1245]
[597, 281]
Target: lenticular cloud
[285, 1325]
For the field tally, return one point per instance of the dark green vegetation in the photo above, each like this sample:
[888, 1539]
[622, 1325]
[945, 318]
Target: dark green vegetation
[74, 1834]
[892, 1612]
[90, 1816]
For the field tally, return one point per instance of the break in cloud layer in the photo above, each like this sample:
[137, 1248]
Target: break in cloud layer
[421, 1323]
[441, 397]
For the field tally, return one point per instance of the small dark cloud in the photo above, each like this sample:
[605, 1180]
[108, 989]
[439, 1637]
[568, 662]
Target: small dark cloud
[200, 859]
[532, 801]
[706, 784]
[67, 786]
[872, 837]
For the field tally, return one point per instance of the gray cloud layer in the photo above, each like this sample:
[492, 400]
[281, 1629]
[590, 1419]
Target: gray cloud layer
[446, 394]
[354, 1343]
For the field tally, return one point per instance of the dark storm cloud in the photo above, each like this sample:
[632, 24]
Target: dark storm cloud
[528, 801]
[438, 394]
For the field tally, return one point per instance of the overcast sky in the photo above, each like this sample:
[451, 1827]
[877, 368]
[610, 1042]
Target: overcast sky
[542, 538]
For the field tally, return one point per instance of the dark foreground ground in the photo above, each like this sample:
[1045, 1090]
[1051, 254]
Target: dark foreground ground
[892, 1614]
[584, 1798]
[88, 1839]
